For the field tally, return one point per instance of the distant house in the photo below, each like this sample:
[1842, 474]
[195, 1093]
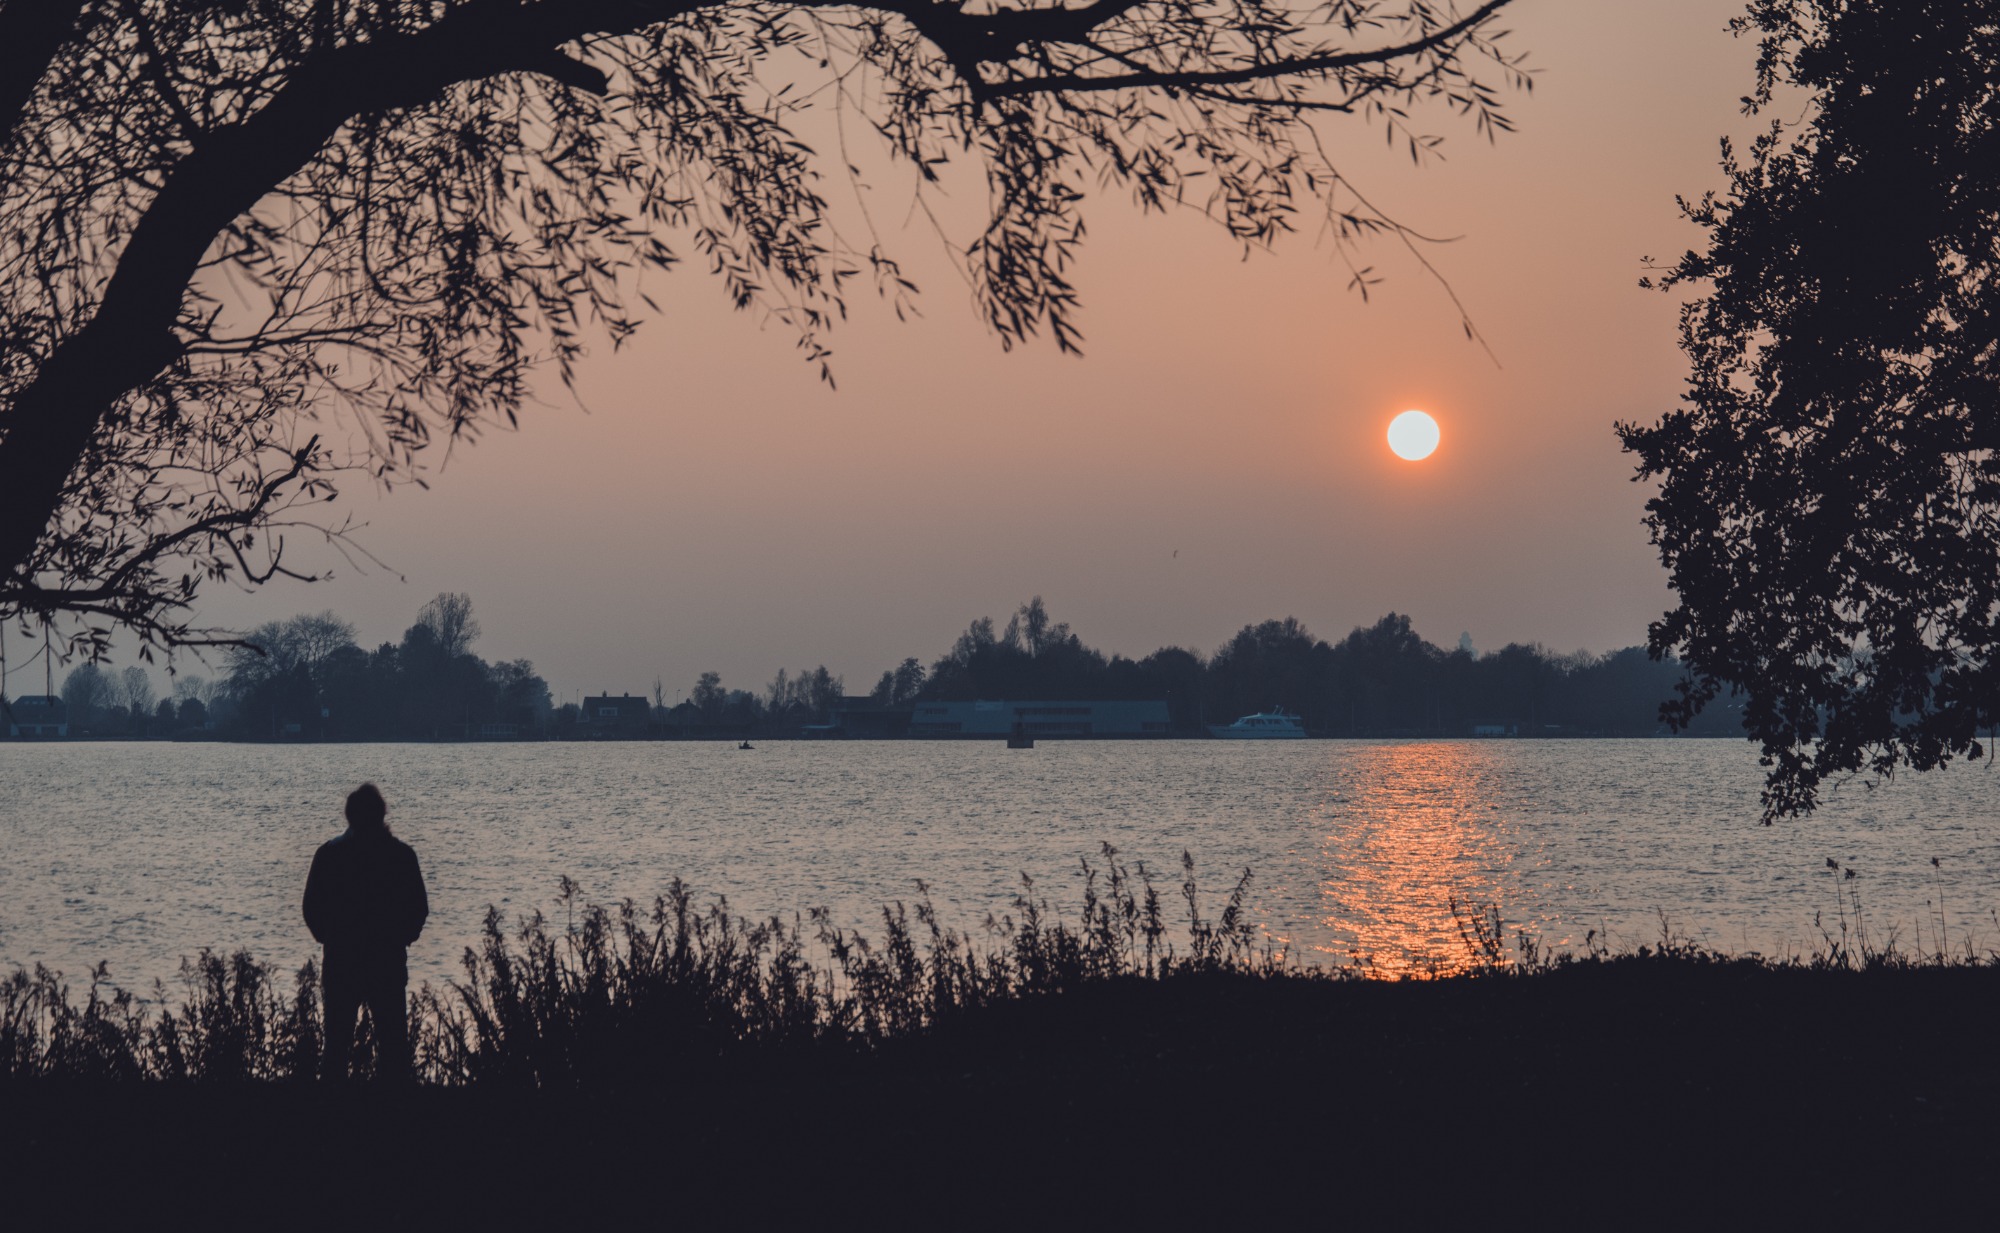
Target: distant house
[36, 715]
[1041, 719]
[615, 714]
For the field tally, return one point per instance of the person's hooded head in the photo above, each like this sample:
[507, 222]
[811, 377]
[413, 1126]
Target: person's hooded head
[367, 812]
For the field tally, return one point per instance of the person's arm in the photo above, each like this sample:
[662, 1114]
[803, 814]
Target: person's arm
[417, 900]
[317, 916]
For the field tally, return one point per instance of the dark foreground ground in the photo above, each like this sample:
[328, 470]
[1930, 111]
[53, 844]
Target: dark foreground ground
[1611, 1095]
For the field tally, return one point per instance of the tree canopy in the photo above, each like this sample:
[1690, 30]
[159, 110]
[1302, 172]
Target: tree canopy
[308, 678]
[1829, 486]
[254, 246]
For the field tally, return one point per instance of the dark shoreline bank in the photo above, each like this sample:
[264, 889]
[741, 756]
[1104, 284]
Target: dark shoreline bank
[1629, 1091]
[669, 1062]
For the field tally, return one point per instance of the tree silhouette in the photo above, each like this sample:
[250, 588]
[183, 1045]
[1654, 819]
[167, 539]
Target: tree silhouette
[136, 692]
[908, 680]
[449, 618]
[709, 696]
[255, 246]
[1830, 489]
[276, 647]
[88, 692]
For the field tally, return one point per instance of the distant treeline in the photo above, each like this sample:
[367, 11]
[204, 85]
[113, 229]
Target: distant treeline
[308, 679]
[1380, 680]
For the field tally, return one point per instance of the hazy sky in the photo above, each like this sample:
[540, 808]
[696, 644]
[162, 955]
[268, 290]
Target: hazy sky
[716, 506]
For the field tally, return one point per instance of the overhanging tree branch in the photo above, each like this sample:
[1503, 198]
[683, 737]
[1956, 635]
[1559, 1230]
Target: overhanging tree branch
[31, 32]
[414, 204]
[1302, 68]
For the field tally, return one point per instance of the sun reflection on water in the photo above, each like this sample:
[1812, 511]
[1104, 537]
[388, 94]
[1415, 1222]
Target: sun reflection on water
[1415, 829]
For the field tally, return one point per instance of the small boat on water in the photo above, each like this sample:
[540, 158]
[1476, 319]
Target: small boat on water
[1271, 725]
[746, 745]
[1019, 738]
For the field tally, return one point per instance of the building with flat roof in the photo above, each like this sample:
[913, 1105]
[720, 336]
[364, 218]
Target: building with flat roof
[36, 715]
[1040, 719]
[862, 717]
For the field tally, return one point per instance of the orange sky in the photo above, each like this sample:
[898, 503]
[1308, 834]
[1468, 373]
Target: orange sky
[718, 507]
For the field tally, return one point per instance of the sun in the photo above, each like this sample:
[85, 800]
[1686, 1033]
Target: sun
[1413, 435]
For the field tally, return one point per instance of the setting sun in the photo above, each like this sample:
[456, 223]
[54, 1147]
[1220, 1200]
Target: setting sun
[1413, 435]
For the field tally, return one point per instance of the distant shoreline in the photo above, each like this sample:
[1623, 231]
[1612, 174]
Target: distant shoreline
[786, 739]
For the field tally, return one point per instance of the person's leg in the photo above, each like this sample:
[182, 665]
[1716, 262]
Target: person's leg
[389, 1016]
[342, 1007]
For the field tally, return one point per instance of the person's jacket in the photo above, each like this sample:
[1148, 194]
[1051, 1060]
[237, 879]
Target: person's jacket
[365, 896]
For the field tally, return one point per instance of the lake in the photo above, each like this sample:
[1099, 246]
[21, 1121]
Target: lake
[138, 854]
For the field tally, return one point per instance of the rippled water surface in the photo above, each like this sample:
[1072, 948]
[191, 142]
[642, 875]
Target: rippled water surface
[139, 854]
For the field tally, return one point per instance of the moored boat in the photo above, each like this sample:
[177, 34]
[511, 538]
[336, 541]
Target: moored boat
[1272, 725]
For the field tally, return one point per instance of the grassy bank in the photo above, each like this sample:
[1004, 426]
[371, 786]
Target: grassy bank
[672, 1063]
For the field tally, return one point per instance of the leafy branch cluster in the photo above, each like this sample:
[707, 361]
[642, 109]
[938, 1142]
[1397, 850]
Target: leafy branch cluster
[255, 248]
[1829, 506]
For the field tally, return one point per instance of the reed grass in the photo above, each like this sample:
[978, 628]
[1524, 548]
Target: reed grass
[628, 994]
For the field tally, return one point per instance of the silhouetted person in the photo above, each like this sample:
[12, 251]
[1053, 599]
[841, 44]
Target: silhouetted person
[365, 903]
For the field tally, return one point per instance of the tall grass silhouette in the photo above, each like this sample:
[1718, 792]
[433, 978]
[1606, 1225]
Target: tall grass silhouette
[620, 993]
[628, 994]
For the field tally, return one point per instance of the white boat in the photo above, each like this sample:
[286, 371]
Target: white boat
[1263, 726]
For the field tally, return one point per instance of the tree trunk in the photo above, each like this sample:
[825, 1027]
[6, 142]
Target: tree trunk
[50, 425]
